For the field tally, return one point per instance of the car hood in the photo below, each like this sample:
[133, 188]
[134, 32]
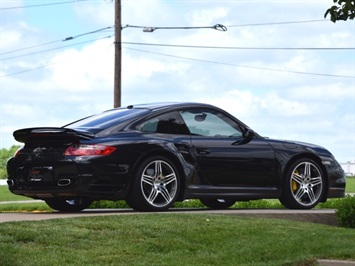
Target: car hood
[299, 145]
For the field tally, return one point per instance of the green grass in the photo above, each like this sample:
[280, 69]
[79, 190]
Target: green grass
[6, 195]
[350, 185]
[172, 239]
[25, 207]
[169, 239]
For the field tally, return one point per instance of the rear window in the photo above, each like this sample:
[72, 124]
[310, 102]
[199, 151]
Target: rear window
[106, 119]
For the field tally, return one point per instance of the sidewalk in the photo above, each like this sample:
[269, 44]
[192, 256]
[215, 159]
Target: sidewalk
[21, 201]
[336, 263]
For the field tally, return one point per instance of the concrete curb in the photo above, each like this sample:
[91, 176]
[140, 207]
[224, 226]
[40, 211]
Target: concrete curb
[335, 262]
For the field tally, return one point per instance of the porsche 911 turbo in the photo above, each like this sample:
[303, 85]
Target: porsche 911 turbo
[153, 155]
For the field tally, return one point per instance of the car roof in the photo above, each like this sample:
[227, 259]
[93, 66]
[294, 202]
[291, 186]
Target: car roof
[122, 115]
[166, 105]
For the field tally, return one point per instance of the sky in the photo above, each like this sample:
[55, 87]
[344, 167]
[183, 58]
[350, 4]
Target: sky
[280, 67]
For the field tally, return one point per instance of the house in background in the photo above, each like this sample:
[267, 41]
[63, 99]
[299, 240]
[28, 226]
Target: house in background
[349, 168]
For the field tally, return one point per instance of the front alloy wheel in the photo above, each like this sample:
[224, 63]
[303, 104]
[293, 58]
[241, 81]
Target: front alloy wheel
[304, 185]
[155, 187]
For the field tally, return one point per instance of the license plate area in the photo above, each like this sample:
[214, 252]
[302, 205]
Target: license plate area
[41, 173]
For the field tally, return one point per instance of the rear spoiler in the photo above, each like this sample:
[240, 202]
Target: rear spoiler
[22, 135]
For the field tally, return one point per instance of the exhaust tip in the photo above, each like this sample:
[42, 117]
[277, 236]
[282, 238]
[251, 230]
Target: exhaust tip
[11, 182]
[64, 182]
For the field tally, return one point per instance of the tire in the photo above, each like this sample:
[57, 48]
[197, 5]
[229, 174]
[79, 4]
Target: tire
[304, 185]
[218, 203]
[68, 205]
[155, 186]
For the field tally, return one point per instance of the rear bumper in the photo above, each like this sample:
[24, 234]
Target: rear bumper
[69, 179]
[45, 191]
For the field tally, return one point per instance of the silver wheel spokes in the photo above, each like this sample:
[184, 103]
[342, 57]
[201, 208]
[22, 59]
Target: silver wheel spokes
[306, 183]
[159, 183]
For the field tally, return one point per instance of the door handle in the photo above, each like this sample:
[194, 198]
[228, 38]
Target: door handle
[202, 151]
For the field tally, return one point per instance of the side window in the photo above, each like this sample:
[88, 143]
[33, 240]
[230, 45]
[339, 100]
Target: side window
[210, 123]
[168, 124]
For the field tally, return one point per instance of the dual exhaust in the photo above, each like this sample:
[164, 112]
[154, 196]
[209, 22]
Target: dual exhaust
[10, 182]
[64, 182]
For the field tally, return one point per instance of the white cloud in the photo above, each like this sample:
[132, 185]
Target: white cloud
[83, 70]
[206, 17]
[12, 37]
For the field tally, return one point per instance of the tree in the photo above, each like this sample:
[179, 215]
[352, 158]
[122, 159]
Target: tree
[5, 154]
[343, 10]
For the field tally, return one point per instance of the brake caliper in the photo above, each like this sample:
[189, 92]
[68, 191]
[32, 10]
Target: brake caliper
[294, 183]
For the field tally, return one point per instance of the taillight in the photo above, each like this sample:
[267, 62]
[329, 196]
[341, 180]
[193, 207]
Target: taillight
[19, 151]
[89, 150]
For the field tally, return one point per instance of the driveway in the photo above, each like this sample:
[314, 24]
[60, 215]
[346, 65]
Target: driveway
[323, 216]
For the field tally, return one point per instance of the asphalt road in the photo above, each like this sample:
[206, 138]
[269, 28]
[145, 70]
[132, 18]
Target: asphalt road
[323, 216]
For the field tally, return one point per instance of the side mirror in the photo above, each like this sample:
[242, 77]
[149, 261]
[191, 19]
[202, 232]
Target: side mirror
[249, 134]
[200, 118]
[247, 137]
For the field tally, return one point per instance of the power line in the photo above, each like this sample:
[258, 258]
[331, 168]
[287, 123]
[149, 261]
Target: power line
[30, 47]
[171, 45]
[40, 5]
[27, 70]
[62, 40]
[210, 62]
[56, 48]
[244, 66]
[219, 27]
[87, 33]
[241, 48]
[278, 23]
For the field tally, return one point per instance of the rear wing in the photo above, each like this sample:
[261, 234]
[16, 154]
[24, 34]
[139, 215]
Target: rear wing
[59, 133]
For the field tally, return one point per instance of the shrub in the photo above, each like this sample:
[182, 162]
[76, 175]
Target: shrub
[193, 203]
[345, 214]
[330, 204]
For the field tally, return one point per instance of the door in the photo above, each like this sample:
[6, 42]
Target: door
[222, 157]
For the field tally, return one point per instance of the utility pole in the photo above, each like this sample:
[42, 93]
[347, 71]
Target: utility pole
[118, 60]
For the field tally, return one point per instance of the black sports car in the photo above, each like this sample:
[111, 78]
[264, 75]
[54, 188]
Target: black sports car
[154, 155]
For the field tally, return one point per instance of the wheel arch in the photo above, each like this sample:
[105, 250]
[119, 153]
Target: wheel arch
[315, 158]
[171, 157]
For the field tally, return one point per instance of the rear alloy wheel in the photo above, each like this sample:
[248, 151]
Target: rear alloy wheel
[68, 205]
[218, 203]
[304, 185]
[155, 187]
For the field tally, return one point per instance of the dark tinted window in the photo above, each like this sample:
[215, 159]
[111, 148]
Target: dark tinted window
[107, 119]
[167, 123]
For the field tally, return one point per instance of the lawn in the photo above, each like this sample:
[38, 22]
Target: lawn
[350, 185]
[168, 239]
[6, 195]
[172, 239]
